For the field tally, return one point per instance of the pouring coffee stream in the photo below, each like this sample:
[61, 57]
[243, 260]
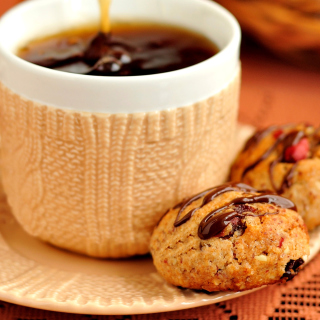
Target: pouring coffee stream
[105, 25]
[99, 50]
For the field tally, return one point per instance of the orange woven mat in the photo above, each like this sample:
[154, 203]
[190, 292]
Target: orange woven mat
[272, 92]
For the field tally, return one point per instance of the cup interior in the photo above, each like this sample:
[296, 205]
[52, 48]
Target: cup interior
[54, 16]
[36, 18]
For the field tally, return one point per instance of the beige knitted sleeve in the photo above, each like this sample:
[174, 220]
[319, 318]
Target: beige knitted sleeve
[98, 183]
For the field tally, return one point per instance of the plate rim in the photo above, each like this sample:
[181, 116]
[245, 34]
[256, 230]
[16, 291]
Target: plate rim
[70, 306]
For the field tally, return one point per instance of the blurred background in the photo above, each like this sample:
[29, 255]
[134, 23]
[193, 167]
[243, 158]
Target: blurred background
[7, 4]
[288, 28]
[280, 57]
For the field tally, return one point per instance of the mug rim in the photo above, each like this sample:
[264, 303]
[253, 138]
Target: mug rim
[202, 68]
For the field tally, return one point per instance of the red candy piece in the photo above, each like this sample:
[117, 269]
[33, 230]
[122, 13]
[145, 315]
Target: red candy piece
[297, 152]
[281, 242]
[277, 133]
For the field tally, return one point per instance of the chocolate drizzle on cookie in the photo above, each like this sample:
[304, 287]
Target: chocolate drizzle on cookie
[218, 219]
[208, 195]
[257, 137]
[285, 140]
[287, 180]
[289, 147]
[213, 224]
[288, 140]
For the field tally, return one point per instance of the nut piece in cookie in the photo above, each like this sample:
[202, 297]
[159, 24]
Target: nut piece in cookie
[230, 237]
[285, 159]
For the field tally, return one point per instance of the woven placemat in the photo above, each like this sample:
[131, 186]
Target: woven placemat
[272, 92]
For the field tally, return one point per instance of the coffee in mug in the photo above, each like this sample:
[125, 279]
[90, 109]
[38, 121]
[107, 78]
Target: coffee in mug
[130, 49]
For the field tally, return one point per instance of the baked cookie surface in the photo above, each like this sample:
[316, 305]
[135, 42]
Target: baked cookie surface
[285, 159]
[230, 238]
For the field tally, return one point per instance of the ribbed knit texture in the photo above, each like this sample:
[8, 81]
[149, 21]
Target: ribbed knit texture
[98, 183]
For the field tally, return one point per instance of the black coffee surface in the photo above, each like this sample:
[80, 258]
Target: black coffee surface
[129, 50]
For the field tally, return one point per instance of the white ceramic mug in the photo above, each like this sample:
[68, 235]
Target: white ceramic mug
[90, 163]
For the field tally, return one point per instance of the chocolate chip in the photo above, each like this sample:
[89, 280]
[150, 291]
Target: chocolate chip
[245, 208]
[237, 225]
[292, 269]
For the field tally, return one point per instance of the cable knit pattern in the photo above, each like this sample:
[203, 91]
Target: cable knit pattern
[98, 183]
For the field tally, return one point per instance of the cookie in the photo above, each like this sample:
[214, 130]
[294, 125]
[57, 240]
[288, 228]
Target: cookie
[230, 237]
[285, 159]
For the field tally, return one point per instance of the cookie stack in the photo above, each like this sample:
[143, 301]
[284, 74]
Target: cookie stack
[249, 233]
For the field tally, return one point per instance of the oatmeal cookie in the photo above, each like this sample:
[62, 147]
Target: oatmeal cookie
[230, 237]
[285, 159]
